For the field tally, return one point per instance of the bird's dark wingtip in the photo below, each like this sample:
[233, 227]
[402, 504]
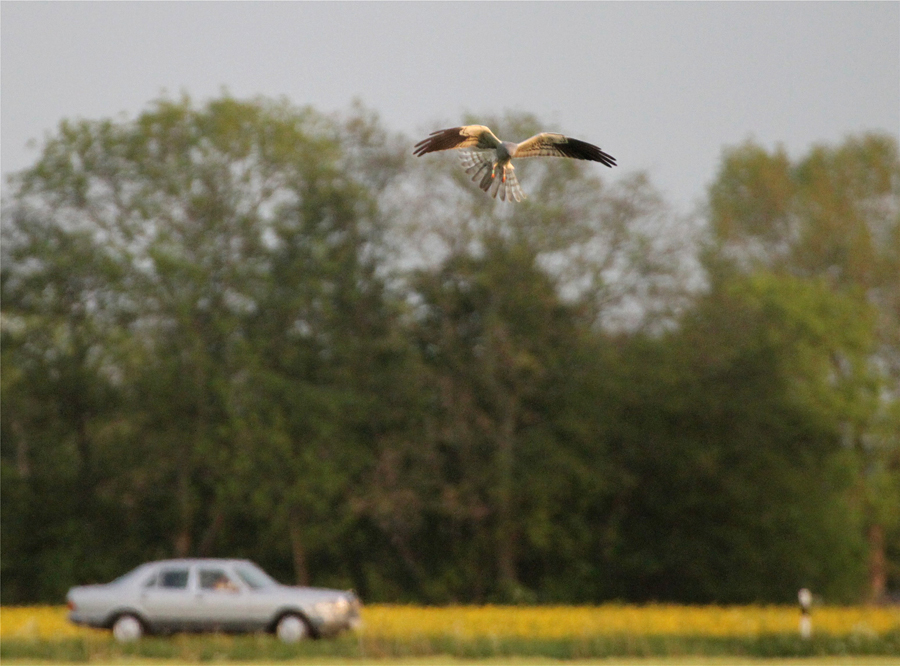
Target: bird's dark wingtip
[581, 150]
[444, 139]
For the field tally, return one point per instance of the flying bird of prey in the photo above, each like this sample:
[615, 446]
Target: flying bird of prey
[485, 156]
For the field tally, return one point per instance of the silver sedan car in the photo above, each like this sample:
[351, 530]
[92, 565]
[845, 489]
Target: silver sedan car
[211, 595]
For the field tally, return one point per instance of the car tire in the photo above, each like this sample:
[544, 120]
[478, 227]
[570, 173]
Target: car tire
[291, 628]
[127, 628]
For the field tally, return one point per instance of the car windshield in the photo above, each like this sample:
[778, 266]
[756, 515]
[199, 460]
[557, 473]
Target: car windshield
[255, 577]
[125, 577]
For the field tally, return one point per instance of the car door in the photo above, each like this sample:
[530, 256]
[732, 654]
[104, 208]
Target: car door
[221, 599]
[166, 598]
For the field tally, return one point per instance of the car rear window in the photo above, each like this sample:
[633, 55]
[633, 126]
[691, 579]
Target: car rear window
[173, 578]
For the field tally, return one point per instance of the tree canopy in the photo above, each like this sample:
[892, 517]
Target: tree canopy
[244, 328]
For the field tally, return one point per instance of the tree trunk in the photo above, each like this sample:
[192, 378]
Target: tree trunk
[506, 551]
[877, 564]
[209, 538]
[298, 552]
[183, 542]
[183, 539]
[23, 464]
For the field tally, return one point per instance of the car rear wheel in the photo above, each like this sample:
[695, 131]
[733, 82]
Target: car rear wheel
[127, 628]
[291, 629]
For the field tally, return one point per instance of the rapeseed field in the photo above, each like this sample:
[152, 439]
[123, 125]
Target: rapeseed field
[612, 619]
[400, 622]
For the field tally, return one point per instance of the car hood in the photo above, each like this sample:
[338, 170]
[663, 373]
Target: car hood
[89, 589]
[308, 593]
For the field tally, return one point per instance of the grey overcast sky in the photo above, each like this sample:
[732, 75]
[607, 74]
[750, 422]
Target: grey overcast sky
[662, 86]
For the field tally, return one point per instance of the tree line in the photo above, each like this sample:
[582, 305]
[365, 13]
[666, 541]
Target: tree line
[247, 329]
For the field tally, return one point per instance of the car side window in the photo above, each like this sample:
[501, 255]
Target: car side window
[173, 579]
[216, 580]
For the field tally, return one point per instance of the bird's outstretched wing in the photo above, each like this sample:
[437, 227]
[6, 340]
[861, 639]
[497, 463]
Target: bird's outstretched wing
[469, 136]
[548, 144]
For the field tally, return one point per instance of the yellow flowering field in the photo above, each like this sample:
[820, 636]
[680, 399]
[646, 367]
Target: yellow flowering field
[39, 622]
[393, 622]
[386, 621]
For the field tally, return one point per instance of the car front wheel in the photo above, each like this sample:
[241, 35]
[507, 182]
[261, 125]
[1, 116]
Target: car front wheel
[127, 628]
[291, 629]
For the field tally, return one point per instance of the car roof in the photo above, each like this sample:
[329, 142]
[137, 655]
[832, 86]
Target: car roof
[186, 561]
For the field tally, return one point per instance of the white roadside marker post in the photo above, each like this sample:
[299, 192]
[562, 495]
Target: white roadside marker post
[805, 598]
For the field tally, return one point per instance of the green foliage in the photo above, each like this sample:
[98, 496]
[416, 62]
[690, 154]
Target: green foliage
[832, 219]
[182, 279]
[247, 329]
[749, 364]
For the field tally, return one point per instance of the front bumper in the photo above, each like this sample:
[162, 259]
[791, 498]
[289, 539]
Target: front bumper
[84, 620]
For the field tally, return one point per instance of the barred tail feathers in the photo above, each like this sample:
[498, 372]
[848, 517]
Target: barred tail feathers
[512, 187]
[480, 164]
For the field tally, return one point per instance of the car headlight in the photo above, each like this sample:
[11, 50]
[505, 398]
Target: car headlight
[330, 610]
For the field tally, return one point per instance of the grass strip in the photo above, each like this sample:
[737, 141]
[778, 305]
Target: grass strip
[200, 649]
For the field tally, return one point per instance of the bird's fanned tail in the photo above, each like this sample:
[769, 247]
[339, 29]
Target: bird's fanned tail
[508, 186]
[480, 165]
